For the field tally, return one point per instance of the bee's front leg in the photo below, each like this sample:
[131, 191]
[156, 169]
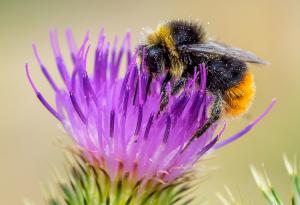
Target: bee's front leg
[178, 85]
[164, 100]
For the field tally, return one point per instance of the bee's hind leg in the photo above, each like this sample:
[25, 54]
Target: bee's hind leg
[214, 116]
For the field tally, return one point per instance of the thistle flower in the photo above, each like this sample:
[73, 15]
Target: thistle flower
[114, 121]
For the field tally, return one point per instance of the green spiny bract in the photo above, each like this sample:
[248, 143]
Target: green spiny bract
[90, 185]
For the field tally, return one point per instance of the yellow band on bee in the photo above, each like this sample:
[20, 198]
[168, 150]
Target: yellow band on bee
[163, 36]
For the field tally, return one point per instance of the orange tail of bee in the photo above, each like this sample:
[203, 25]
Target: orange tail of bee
[239, 98]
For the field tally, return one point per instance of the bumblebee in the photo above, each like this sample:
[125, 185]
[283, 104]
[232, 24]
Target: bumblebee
[175, 48]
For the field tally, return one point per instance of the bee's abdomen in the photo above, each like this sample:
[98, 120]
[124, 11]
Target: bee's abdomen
[238, 98]
[224, 73]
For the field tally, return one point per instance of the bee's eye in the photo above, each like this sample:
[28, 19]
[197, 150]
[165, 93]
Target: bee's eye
[154, 59]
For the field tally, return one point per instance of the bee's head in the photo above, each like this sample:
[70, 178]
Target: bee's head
[154, 59]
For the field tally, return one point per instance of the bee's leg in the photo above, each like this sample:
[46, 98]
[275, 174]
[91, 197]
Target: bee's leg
[164, 96]
[214, 116]
[179, 84]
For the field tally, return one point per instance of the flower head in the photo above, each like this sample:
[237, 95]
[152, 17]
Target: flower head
[115, 122]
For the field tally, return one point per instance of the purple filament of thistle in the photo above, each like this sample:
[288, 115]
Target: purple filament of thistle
[139, 121]
[71, 44]
[148, 126]
[167, 130]
[125, 104]
[112, 123]
[58, 57]
[212, 142]
[44, 70]
[120, 54]
[90, 88]
[41, 98]
[77, 108]
[246, 129]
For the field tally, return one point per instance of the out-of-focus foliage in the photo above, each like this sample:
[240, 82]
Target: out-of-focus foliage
[269, 192]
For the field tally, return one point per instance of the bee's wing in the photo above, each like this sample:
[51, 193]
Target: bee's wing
[221, 49]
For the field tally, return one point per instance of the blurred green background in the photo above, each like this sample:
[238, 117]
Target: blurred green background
[271, 29]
